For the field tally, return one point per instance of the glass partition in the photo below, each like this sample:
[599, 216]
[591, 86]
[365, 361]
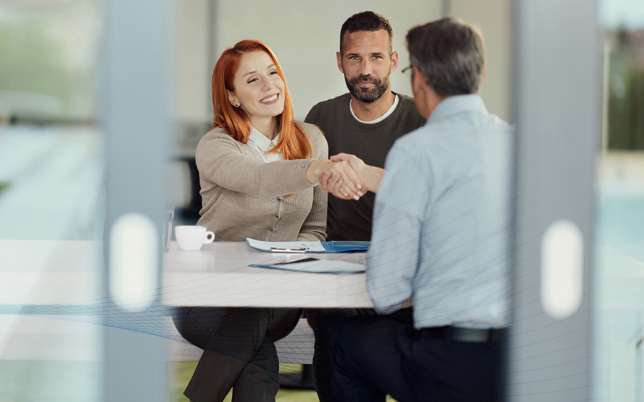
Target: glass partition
[620, 208]
[51, 202]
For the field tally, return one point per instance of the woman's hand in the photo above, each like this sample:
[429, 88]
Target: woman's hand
[370, 176]
[347, 184]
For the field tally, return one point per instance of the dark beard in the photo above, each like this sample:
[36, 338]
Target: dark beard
[364, 94]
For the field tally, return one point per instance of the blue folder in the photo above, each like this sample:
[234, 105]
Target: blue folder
[309, 246]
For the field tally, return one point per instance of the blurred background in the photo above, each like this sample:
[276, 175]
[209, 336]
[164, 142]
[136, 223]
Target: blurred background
[53, 153]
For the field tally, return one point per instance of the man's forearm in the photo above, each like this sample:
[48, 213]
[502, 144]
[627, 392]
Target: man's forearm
[373, 177]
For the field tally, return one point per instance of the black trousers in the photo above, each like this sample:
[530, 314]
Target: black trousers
[324, 322]
[239, 351]
[377, 355]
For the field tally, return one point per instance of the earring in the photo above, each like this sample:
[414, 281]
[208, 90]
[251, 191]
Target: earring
[232, 99]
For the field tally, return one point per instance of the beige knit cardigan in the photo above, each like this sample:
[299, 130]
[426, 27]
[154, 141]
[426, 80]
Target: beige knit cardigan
[243, 196]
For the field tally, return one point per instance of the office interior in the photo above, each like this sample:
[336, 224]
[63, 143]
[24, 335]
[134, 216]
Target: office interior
[75, 136]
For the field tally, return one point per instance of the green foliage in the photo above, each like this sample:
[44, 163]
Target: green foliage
[626, 90]
[32, 61]
[626, 113]
[44, 51]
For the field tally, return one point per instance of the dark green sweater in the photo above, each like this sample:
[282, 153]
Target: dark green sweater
[351, 220]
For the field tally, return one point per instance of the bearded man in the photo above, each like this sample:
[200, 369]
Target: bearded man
[364, 122]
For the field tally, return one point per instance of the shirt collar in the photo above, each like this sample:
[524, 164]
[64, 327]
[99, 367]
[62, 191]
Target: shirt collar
[379, 119]
[457, 104]
[261, 140]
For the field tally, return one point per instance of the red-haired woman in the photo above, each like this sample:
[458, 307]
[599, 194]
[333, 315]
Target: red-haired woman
[258, 170]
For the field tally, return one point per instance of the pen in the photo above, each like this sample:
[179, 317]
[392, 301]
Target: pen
[289, 250]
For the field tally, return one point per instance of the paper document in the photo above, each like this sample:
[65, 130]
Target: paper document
[315, 265]
[308, 246]
[287, 246]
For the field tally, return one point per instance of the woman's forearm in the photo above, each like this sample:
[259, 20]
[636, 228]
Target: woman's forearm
[316, 167]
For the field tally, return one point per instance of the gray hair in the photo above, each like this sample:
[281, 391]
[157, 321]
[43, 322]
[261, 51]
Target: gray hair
[450, 54]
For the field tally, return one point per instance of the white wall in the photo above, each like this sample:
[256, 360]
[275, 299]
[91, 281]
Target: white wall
[493, 18]
[192, 66]
[304, 35]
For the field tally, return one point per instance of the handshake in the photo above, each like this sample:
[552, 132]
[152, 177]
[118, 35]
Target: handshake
[345, 176]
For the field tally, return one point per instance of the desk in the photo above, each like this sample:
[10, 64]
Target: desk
[60, 282]
[219, 275]
[68, 273]
[50, 273]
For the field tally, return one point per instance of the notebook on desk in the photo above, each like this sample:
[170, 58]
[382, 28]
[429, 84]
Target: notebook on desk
[308, 246]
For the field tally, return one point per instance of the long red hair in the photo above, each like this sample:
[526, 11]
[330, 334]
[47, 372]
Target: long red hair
[293, 142]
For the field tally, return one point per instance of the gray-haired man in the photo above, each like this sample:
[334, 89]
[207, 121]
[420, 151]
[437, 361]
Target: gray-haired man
[439, 237]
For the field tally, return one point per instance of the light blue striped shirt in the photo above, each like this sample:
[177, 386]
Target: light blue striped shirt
[442, 220]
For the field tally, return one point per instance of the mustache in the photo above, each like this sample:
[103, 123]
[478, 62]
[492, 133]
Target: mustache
[366, 78]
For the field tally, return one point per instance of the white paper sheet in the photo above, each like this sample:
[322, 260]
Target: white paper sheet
[287, 246]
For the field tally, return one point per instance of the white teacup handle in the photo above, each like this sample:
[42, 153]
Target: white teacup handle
[210, 237]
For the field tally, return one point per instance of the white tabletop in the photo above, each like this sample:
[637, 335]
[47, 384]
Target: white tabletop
[68, 273]
[219, 275]
[50, 272]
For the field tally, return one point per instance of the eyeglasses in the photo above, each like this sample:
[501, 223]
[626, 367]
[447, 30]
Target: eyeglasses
[407, 71]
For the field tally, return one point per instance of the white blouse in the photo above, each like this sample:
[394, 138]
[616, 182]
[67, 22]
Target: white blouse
[259, 144]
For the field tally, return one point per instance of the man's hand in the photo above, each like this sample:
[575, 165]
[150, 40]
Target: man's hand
[347, 184]
[371, 176]
[333, 183]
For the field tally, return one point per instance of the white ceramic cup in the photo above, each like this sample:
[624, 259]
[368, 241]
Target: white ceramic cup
[191, 238]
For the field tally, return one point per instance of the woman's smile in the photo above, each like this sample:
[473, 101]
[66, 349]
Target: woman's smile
[259, 89]
[270, 99]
